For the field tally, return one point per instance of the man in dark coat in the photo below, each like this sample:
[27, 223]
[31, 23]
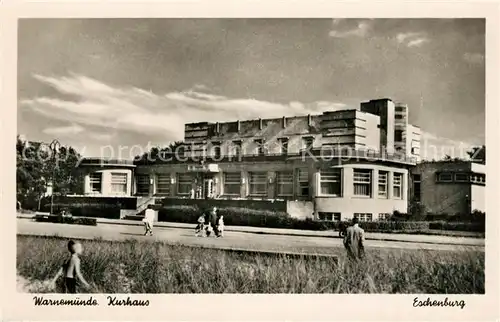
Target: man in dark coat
[213, 220]
[354, 241]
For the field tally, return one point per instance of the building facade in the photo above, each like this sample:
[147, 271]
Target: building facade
[340, 164]
[449, 187]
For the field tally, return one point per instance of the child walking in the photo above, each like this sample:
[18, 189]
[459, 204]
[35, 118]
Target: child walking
[148, 220]
[220, 226]
[200, 228]
[209, 229]
[71, 269]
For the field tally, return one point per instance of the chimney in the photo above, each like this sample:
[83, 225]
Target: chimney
[238, 125]
[260, 124]
[284, 121]
[309, 120]
[217, 128]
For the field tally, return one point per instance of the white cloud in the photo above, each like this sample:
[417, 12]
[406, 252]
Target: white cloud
[417, 42]
[433, 147]
[141, 111]
[401, 37]
[114, 109]
[100, 136]
[64, 130]
[411, 39]
[361, 30]
[473, 58]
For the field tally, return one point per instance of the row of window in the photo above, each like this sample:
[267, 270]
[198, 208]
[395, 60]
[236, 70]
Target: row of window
[118, 182]
[331, 183]
[260, 149]
[336, 216]
[258, 183]
[461, 177]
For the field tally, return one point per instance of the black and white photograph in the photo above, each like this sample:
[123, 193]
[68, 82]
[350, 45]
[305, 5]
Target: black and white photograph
[251, 156]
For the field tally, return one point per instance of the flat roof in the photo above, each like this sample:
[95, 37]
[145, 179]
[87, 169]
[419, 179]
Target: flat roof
[107, 162]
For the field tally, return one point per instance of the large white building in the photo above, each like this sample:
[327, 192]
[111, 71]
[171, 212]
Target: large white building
[332, 166]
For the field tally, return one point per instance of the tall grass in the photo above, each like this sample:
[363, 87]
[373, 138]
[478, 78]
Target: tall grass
[154, 267]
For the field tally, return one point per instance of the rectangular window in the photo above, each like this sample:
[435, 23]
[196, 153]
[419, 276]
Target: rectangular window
[119, 183]
[397, 185]
[142, 184]
[362, 182]
[260, 146]
[283, 145]
[96, 182]
[461, 177]
[363, 216]
[308, 142]
[398, 135]
[258, 183]
[417, 192]
[329, 216]
[445, 177]
[285, 183]
[303, 182]
[184, 183]
[384, 216]
[163, 182]
[331, 182]
[232, 183]
[399, 117]
[383, 183]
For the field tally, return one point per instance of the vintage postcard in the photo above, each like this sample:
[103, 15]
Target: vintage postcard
[242, 161]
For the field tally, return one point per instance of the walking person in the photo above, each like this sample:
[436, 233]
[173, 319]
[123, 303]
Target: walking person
[220, 226]
[71, 269]
[213, 220]
[354, 240]
[200, 227]
[148, 220]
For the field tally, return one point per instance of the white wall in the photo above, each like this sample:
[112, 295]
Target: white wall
[478, 198]
[106, 183]
[349, 204]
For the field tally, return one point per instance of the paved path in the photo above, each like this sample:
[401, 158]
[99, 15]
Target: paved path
[232, 239]
[433, 239]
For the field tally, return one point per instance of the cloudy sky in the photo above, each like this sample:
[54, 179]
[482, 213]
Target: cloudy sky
[126, 82]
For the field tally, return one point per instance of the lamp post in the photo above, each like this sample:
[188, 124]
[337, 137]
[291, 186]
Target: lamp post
[54, 147]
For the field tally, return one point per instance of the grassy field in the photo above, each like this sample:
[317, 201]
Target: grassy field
[153, 267]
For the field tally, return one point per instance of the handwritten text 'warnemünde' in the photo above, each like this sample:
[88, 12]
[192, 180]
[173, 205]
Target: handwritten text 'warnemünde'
[41, 301]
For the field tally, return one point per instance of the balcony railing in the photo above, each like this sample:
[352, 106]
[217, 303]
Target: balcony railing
[318, 154]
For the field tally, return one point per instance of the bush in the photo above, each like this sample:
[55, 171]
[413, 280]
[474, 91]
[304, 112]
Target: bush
[457, 226]
[264, 218]
[108, 213]
[66, 220]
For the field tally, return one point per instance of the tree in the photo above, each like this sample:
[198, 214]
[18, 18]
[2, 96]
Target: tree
[478, 154]
[31, 181]
[36, 167]
[67, 179]
[156, 152]
[448, 158]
